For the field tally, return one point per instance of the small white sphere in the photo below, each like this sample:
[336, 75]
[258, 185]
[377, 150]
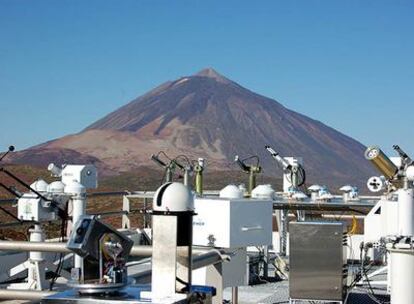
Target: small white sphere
[40, 185]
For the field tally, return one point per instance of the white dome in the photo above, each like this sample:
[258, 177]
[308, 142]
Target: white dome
[231, 191]
[56, 187]
[174, 197]
[346, 188]
[74, 188]
[40, 185]
[263, 192]
[314, 188]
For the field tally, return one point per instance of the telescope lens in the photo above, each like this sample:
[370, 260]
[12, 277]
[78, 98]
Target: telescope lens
[381, 162]
[372, 153]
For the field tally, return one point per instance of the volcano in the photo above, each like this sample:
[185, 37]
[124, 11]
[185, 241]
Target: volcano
[207, 115]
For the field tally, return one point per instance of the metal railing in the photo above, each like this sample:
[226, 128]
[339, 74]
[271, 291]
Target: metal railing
[125, 211]
[363, 207]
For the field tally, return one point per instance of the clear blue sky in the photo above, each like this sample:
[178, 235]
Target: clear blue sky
[349, 64]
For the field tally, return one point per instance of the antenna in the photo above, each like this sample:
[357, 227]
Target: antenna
[285, 165]
[11, 149]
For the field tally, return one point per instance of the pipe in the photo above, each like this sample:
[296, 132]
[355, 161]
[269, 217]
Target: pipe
[59, 247]
[235, 295]
[343, 216]
[208, 258]
[137, 250]
[201, 260]
[405, 212]
[199, 180]
[78, 210]
[31, 295]
[33, 246]
[361, 207]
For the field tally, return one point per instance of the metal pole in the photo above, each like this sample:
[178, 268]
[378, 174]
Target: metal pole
[199, 179]
[137, 250]
[143, 251]
[36, 268]
[266, 262]
[252, 181]
[186, 180]
[126, 206]
[79, 209]
[59, 247]
[283, 233]
[10, 294]
[145, 213]
[235, 295]
[169, 175]
[208, 258]
[33, 246]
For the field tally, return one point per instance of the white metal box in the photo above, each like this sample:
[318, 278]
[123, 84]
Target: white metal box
[32, 208]
[84, 174]
[232, 223]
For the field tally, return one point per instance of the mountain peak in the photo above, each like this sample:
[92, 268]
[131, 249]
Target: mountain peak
[212, 73]
[210, 116]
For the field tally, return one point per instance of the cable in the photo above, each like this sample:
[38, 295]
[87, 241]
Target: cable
[10, 214]
[165, 154]
[364, 273]
[354, 227]
[252, 157]
[182, 156]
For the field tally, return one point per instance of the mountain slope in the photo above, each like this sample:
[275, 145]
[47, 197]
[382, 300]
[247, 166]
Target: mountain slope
[207, 115]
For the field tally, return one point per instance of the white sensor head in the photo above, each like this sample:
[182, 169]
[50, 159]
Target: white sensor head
[55, 170]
